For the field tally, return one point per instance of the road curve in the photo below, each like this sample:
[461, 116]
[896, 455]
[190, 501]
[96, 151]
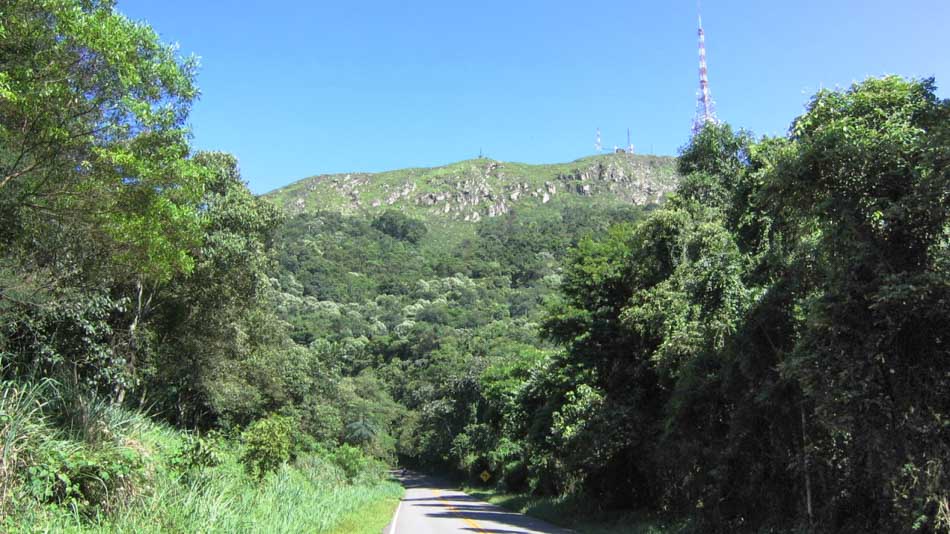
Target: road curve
[432, 507]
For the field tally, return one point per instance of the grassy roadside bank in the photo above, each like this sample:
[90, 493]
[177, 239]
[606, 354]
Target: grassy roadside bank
[118, 471]
[370, 520]
[574, 514]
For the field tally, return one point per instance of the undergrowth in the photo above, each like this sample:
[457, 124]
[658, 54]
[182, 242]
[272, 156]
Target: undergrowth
[100, 468]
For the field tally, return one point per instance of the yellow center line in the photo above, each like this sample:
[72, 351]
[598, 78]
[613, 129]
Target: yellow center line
[470, 522]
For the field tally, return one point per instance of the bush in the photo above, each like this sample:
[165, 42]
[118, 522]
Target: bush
[196, 454]
[87, 481]
[356, 465]
[268, 443]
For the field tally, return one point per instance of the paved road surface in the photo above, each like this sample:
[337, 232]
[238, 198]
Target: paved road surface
[431, 507]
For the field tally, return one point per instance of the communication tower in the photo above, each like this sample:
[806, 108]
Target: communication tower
[705, 107]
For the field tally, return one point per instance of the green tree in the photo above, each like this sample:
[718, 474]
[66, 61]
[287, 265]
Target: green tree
[268, 443]
[213, 322]
[98, 197]
[92, 111]
[870, 173]
[400, 226]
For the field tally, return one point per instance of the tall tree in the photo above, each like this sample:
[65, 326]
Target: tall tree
[98, 197]
[211, 325]
[92, 136]
[871, 171]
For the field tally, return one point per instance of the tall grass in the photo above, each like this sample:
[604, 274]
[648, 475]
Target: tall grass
[311, 495]
[22, 427]
[297, 498]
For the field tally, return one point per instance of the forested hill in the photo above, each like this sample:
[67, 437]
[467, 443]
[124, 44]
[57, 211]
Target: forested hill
[764, 348]
[749, 338]
[481, 188]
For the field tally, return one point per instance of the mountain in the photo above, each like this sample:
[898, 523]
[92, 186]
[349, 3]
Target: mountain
[471, 190]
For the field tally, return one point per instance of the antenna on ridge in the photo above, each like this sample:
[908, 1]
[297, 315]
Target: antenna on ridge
[629, 144]
[705, 107]
[597, 145]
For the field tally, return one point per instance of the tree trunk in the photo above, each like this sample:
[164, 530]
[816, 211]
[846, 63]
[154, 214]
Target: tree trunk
[120, 396]
[808, 504]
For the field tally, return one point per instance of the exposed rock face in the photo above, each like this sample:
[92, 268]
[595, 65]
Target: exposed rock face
[404, 192]
[473, 190]
[497, 209]
[619, 180]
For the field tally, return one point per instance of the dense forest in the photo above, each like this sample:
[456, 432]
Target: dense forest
[763, 350]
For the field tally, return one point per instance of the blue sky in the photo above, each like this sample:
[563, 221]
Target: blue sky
[296, 87]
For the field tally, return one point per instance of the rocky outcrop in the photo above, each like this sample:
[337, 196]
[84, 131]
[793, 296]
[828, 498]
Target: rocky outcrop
[631, 182]
[472, 191]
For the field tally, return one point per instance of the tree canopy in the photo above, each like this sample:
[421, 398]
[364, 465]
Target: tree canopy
[765, 350]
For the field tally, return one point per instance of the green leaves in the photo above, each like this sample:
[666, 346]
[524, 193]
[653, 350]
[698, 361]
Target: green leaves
[399, 226]
[771, 340]
[783, 313]
[86, 481]
[267, 443]
[93, 109]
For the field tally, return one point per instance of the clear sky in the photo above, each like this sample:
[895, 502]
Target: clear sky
[299, 87]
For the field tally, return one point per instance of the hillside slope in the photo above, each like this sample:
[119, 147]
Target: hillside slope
[475, 189]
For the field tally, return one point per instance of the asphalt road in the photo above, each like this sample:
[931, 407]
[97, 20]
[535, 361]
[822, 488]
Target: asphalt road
[432, 507]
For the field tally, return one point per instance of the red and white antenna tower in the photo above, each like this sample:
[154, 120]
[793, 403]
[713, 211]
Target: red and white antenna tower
[705, 107]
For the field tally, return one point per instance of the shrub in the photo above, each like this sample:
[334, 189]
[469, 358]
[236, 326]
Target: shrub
[196, 454]
[268, 443]
[350, 459]
[356, 465]
[84, 480]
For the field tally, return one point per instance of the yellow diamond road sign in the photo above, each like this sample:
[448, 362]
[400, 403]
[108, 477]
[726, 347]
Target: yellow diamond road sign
[485, 476]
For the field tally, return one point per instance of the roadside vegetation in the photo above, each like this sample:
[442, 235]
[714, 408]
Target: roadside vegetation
[116, 471]
[765, 350]
[135, 279]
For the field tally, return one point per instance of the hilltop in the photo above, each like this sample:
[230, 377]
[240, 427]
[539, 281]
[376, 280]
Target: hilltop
[474, 189]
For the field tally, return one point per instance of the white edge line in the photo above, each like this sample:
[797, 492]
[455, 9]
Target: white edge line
[392, 528]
